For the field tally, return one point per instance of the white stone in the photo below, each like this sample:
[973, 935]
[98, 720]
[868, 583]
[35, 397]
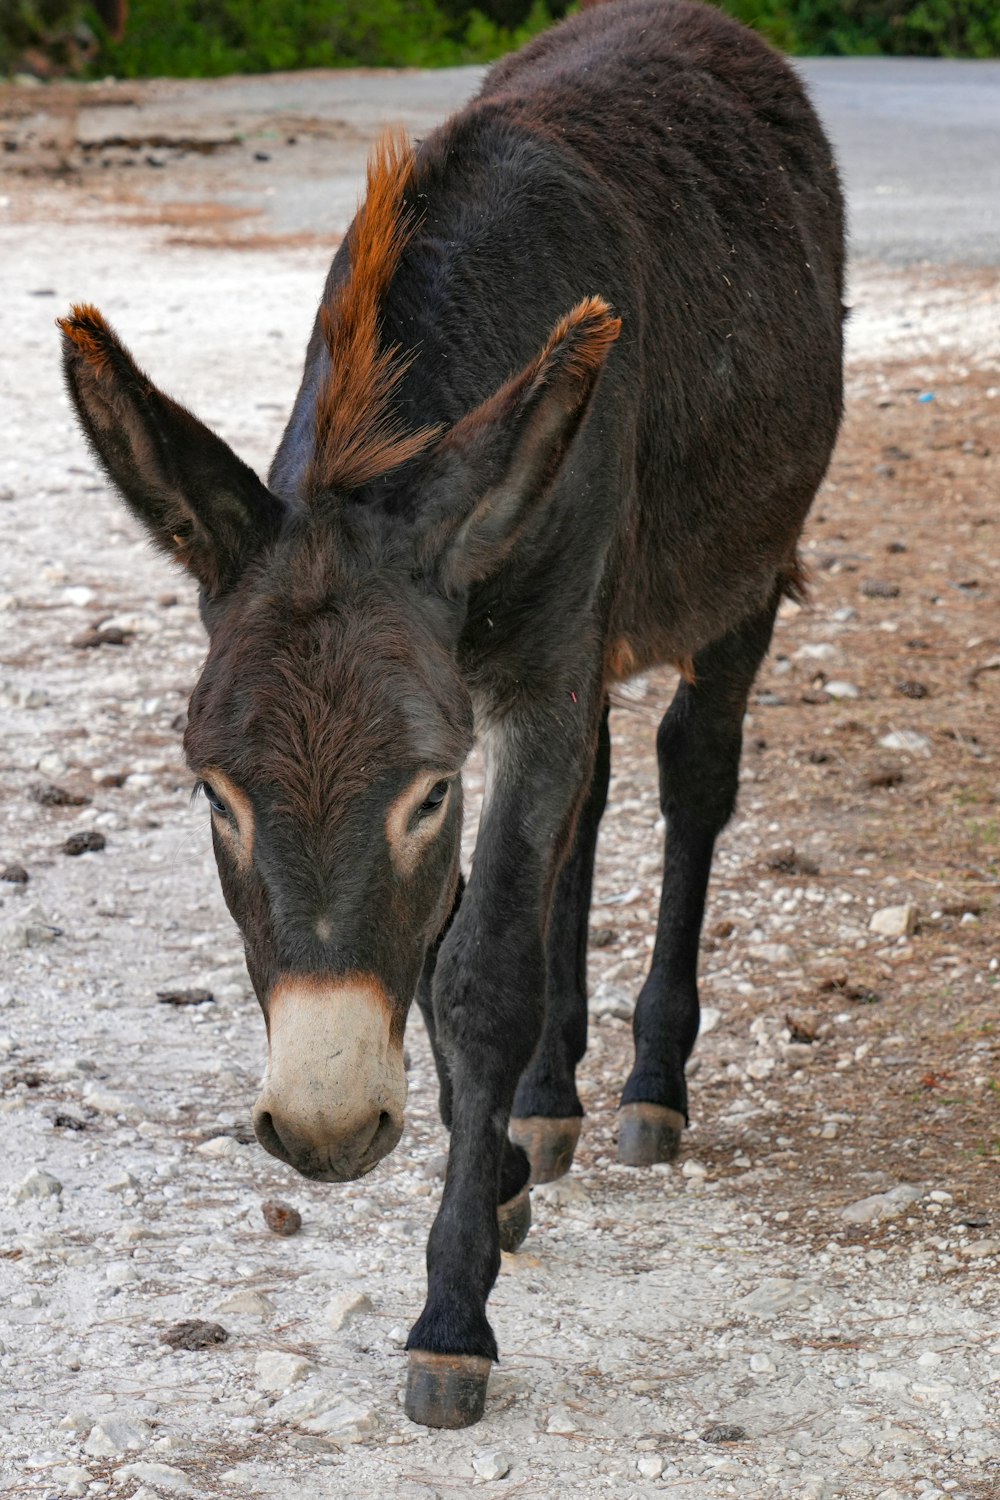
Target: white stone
[77, 1421]
[115, 1433]
[929, 1357]
[692, 1168]
[842, 690]
[855, 1447]
[71, 1475]
[122, 1274]
[610, 1000]
[773, 953]
[123, 1182]
[491, 1464]
[888, 1380]
[650, 1466]
[30, 929]
[709, 1019]
[344, 1420]
[222, 1146]
[109, 1102]
[980, 1249]
[867, 1210]
[345, 1307]
[163, 1476]
[276, 1369]
[72, 1478]
[560, 1422]
[894, 921]
[816, 651]
[760, 1067]
[907, 740]
[566, 1192]
[761, 1364]
[249, 1304]
[136, 623]
[37, 1184]
[777, 1295]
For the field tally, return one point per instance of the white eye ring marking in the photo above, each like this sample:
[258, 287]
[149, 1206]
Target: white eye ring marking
[413, 819]
[235, 825]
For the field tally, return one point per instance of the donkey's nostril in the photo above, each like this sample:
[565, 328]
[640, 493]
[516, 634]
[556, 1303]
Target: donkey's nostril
[385, 1137]
[268, 1136]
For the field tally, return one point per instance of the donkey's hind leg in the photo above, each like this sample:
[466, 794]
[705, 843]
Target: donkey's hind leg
[698, 748]
[547, 1110]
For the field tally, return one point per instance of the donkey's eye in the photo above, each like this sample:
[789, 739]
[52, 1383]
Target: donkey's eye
[213, 799]
[435, 797]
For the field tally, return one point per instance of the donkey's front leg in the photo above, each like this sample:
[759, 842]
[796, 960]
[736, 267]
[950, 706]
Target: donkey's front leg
[489, 989]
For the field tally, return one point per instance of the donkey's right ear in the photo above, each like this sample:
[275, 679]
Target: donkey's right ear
[200, 503]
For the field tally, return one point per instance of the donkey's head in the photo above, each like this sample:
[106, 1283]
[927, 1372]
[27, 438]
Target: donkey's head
[331, 721]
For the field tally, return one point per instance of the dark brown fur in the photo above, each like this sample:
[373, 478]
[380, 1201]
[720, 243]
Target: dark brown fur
[573, 383]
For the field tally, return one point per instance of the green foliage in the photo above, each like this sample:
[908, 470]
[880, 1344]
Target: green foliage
[206, 38]
[28, 23]
[930, 28]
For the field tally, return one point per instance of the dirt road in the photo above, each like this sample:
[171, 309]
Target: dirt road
[807, 1306]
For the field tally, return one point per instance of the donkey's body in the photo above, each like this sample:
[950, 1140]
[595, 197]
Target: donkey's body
[664, 157]
[441, 537]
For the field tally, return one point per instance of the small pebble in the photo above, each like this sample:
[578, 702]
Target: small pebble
[185, 997]
[345, 1307]
[37, 1184]
[724, 1432]
[90, 842]
[491, 1464]
[277, 1369]
[194, 1333]
[894, 921]
[281, 1218]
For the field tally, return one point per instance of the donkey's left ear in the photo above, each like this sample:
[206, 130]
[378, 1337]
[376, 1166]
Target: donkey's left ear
[491, 474]
[200, 503]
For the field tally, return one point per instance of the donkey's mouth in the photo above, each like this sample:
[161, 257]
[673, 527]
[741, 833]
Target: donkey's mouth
[340, 1162]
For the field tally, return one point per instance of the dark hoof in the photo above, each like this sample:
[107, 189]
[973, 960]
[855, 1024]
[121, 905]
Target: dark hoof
[648, 1133]
[514, 1220]
[549, 1143]
[446, 1390]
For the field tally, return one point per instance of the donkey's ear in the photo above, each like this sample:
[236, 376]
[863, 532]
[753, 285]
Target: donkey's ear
[200, 503]
[493, 470]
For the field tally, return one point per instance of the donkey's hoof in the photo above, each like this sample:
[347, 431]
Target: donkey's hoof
[514, 1221]
[648, 1133]
[550, 1144]
[446, 1390]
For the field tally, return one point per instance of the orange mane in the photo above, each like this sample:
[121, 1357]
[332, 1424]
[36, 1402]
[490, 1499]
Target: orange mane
[358, 434]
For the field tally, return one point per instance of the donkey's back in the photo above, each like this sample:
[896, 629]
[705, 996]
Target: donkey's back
[657, 153]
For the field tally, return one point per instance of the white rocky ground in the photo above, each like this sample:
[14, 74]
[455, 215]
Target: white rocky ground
[648, 1313]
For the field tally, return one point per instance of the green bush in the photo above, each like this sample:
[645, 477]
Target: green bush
[31, 23]
[930, 28]
[205, 38]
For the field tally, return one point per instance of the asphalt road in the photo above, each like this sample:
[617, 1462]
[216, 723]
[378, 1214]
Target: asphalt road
[918, 141]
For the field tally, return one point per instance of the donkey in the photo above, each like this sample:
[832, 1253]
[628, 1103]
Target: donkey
[574, 381]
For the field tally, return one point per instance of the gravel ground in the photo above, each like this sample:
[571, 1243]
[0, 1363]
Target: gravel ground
[807, 1305]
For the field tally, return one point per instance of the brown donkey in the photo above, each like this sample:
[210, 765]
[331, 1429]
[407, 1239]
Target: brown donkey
[574, 381]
